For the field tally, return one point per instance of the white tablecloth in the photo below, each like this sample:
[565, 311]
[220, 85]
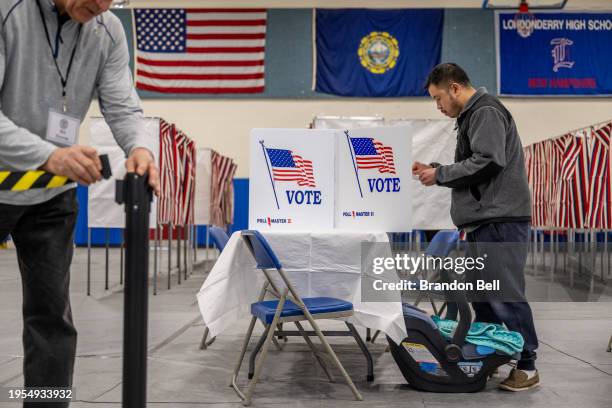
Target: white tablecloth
[317, 264]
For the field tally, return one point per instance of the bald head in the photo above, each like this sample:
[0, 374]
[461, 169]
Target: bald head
[83, 10]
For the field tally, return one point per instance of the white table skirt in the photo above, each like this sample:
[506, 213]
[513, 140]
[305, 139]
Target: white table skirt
[316, 263]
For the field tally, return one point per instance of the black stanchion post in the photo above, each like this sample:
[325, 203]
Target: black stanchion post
[135, 193]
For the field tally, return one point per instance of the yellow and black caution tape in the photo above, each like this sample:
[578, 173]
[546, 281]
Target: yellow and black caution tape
[28, 180]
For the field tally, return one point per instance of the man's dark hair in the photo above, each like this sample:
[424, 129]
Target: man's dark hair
[444, 74]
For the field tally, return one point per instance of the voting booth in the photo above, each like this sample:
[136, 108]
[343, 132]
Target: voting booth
[304, 179]
[431, 141]
[291, 184]
[203, 187]
[103, 210]
[373, 179]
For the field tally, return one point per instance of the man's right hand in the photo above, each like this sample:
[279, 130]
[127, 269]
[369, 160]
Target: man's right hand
[78, 163]
[418, 166]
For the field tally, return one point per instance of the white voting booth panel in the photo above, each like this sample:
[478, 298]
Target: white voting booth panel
[203, 187]
[347, 122]
[432, 141]
[364, 199]
[103, 211]
[373, 179]
[291, 182]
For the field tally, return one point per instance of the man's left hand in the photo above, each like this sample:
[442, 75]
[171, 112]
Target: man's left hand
[141, 161]
[427, 177]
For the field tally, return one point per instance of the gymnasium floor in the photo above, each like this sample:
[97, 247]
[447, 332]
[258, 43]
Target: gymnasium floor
[575, 369]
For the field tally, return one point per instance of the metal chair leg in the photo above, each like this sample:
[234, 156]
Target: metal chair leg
[204, 343]
[264, 352]
[254, 353]
[284, 338]
[333, 356]
[609, 345]
[433, 306]
[314, 351]
[245, 344]
[364, 350]
[375, 336]
[442, 309]
[278, 345]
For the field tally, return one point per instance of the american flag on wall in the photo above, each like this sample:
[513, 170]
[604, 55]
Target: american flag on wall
[200, 51]
[372, 154]
[288, 166]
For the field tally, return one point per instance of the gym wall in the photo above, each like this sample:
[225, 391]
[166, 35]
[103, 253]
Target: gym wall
[223, 123]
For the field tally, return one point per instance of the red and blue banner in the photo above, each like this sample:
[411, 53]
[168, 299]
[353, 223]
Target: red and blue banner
[560, 54]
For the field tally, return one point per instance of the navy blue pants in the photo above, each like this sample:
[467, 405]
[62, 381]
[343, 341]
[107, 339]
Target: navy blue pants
[515, 315]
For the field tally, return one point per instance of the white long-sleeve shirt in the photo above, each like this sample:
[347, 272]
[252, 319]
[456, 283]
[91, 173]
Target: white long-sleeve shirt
[30, 85]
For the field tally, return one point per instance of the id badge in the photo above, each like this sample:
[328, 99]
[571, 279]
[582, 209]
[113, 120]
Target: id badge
[62, 129]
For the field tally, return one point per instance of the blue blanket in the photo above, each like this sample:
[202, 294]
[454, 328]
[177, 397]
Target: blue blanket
[485, 334]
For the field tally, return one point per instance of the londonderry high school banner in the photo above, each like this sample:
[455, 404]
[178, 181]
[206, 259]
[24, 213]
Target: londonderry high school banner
[559, 54]
[376, 52]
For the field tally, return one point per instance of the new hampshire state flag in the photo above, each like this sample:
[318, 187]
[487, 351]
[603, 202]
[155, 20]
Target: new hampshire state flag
[365, 52]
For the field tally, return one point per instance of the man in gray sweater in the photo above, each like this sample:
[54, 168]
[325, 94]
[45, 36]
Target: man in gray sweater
[55, 55]
[490, 201]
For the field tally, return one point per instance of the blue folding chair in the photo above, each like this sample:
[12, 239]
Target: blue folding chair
[219, 239]
[287, 307]
[441, 245]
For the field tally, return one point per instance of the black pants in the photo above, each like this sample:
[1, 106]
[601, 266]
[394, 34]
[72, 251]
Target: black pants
[516, 315]
[43, 235]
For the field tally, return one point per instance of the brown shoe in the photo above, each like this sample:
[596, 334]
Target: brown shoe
[518, 381]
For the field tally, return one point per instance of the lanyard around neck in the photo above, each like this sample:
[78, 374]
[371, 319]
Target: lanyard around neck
[63, 79]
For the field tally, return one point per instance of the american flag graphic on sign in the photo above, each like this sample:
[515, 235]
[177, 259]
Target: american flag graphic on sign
[200, 51]
[288, 166]
[372, 154]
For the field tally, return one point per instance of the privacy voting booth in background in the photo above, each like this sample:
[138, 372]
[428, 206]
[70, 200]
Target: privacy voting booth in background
[346, 122]
[172, 215]
[103, 211]
[203, 186]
